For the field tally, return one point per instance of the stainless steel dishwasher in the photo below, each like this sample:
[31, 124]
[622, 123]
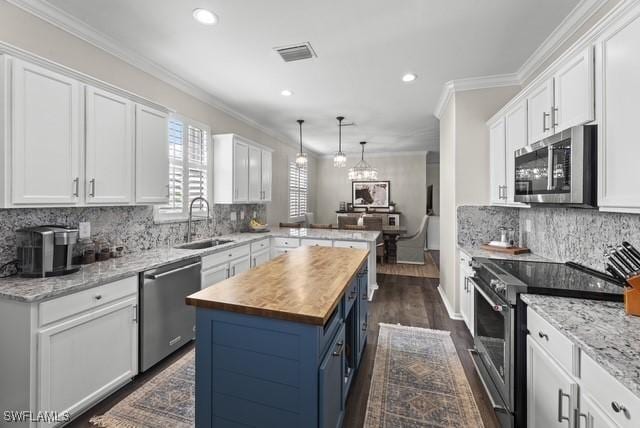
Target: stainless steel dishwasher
[166, 321]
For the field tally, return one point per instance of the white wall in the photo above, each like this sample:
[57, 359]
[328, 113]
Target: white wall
[433, 178]
[407, 174]
[25, 31]
[464, 168]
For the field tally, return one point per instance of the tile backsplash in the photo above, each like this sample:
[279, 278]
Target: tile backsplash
[579, 235]
[133, 226]
[480, 224]
[559, 234]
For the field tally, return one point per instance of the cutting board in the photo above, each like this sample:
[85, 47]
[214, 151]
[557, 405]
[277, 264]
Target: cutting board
[514, 251]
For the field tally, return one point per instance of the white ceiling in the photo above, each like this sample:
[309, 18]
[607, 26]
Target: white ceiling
[363, 47]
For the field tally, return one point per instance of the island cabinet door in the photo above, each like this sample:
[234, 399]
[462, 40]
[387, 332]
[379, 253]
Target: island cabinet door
[363, 313]
[331, 376]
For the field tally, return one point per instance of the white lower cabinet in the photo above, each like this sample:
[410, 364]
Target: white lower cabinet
[260, 257]
[551, 392]
[590, 415]
[316, 242]
[467, 292]
[214, 275]
[239, 266]
[83, 358]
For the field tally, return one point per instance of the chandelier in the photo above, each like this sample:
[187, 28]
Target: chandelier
[340, 159]
[301, 158]
[362, 171]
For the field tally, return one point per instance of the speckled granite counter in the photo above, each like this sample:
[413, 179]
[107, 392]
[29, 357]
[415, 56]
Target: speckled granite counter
[600, 329]
[477, 252]
[37, 289]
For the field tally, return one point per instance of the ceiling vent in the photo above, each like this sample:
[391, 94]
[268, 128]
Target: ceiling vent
[296, 52]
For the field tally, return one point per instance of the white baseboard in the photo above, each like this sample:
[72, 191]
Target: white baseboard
[372, 291]
[408, 263]
[443, 296]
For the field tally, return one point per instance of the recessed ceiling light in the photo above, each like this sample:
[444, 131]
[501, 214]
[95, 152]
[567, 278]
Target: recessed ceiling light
[409, 77]
[205, 16]
[286, 93]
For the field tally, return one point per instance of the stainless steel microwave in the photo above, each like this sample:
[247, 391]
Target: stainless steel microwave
[559, 170]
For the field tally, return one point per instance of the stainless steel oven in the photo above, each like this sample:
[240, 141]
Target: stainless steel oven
[561, 169]
[494, 348]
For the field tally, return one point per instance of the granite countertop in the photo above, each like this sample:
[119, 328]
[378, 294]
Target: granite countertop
[36, 289]
[601, 329]
[305, 286]
[478, 252]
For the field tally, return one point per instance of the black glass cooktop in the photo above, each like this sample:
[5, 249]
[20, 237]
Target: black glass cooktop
[557, 276]
[549, 278]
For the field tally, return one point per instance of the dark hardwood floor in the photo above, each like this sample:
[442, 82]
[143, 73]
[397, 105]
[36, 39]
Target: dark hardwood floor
[412, 302]
[405, 300]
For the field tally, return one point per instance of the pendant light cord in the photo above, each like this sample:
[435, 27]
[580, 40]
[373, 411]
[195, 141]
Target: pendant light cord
[300, 122]
[340, 118]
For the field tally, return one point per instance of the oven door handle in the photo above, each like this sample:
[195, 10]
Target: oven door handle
[496, 307]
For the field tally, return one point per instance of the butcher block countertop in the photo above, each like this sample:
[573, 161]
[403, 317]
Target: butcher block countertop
[304, 285]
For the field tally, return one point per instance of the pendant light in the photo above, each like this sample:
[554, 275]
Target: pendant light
[340, 159]
[362, 170]
[301, 158]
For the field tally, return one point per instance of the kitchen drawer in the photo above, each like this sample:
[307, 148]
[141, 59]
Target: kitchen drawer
[551, 340]
[259, 245]
[330, 328]
[350, 296]
[285, 242]
[224, 256]
[275, 252]
[609, 394]
[351, 244]
[316, 242]
[63, 307]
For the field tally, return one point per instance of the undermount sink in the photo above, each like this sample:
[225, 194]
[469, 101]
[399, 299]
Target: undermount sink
[199, 245]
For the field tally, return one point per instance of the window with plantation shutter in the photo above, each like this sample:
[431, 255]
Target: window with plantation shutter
[298, 190]
[188, 168]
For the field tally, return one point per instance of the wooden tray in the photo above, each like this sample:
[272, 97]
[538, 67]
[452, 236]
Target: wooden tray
[514, 251]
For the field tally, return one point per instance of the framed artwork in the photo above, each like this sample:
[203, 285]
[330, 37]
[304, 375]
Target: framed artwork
[371, 194]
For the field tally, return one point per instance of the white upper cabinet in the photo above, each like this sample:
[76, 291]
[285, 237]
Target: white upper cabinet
[109, 148]
[255, 174]
[574, 92]
[46, 136]
[618, 59]
[540, 106]
[515, 139]
[152, 156]
[241, 169]
[266, 175]
[240, 172]
[497, 162]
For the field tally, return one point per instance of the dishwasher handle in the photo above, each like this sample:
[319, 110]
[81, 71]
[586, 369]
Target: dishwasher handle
[170, 272]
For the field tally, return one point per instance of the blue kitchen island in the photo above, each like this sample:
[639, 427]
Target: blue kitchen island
[279, 345]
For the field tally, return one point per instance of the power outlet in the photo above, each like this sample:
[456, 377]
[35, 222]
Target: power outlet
[528, 225]
[241, 215]
[84, 230]
[233, 216]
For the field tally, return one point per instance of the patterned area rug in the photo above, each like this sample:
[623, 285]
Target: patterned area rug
[418, 381]
[167, 400]
[428, 270]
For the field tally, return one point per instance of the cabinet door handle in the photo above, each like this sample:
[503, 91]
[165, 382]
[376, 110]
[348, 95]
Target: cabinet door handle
[545, 115]
[76, 187]
[135, 313]
[561, 418]
[579, 417]
[168, 191]
[234, 270]
[554, 117]
[254, 262]
[228, 272]
[339, 349]
[92, 187]
[617, 407]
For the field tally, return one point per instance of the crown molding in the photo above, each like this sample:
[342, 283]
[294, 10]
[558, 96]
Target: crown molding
[373, 155]
[578, 16]
[469, 84]
[55, 16]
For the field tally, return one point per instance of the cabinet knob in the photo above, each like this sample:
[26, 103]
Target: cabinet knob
[339, 349]
[542, 335]
[97, 296]
[617, 407]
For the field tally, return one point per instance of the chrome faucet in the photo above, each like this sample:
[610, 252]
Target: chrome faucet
[199, 198]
